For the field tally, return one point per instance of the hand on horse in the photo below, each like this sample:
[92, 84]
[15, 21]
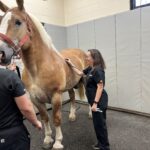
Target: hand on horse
[38, 125]
[69, 62]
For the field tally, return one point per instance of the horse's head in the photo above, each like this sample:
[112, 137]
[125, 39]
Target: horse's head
[15, 29]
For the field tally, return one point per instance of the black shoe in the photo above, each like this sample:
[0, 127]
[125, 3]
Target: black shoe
[96, 147]
[107, 148]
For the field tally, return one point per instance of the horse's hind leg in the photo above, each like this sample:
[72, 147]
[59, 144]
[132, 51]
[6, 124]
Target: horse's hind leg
[72, 115]
[57, 103]
[48, 141]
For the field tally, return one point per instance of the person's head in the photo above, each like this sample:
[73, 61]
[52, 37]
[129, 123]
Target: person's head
[95, 59]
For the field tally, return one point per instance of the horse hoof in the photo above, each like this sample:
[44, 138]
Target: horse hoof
[47, 146]
[90, 116]
[72, 118]
[58, 146]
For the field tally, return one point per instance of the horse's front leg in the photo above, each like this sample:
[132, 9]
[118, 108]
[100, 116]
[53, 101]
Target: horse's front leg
[90, 112]
[48, 141]
[57, 103]
[72, 115]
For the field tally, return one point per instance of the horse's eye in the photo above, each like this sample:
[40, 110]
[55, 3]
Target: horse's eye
[18, 22]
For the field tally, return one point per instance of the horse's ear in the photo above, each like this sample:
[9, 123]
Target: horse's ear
[20, 4]
[3, 7]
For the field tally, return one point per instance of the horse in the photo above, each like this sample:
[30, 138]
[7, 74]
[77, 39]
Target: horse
[46, 74]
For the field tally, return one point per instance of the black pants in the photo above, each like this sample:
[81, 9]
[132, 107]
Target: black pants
[15, 138]
[99, 121]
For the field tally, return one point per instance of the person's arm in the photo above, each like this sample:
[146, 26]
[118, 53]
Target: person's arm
[98, 95]
[79, 72]
[98, 77]
[23, 102]
[26, 107]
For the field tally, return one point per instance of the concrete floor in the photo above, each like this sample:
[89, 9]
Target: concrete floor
[126, 131]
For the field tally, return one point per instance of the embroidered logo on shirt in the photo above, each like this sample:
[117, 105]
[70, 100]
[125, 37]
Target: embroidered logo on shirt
[2, 141]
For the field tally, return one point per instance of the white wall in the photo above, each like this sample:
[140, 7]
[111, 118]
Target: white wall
[77, 11]
[48, 11]
[69, 12]
[123, 40]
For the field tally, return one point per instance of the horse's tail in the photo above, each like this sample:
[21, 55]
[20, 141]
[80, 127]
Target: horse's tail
[81, 89]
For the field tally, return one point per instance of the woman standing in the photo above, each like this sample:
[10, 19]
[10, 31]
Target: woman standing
[96, 95]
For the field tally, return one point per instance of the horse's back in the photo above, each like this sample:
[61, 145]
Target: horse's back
[72, 52]
[76, 55]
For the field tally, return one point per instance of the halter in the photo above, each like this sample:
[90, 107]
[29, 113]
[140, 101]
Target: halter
[16, 47]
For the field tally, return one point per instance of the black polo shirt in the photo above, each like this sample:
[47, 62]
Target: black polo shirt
[93, 77]
[10, 87]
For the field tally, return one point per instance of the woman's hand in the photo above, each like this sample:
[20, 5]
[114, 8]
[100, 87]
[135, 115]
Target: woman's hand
[94, 107]
[69, 62]
[79, 72]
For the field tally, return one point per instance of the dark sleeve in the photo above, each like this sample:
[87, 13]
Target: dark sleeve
[86, 70]
[98, 75]
[18, 88]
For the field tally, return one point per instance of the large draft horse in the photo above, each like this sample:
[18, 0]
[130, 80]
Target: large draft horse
[46, 75]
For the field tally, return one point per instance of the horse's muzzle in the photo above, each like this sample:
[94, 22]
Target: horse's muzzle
[7, 53]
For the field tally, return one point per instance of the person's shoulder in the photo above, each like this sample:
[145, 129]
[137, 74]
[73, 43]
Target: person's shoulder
[7, 73]
[87, 70]
[98, 69]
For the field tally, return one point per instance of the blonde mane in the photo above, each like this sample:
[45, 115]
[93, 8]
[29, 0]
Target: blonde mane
[45, 37]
